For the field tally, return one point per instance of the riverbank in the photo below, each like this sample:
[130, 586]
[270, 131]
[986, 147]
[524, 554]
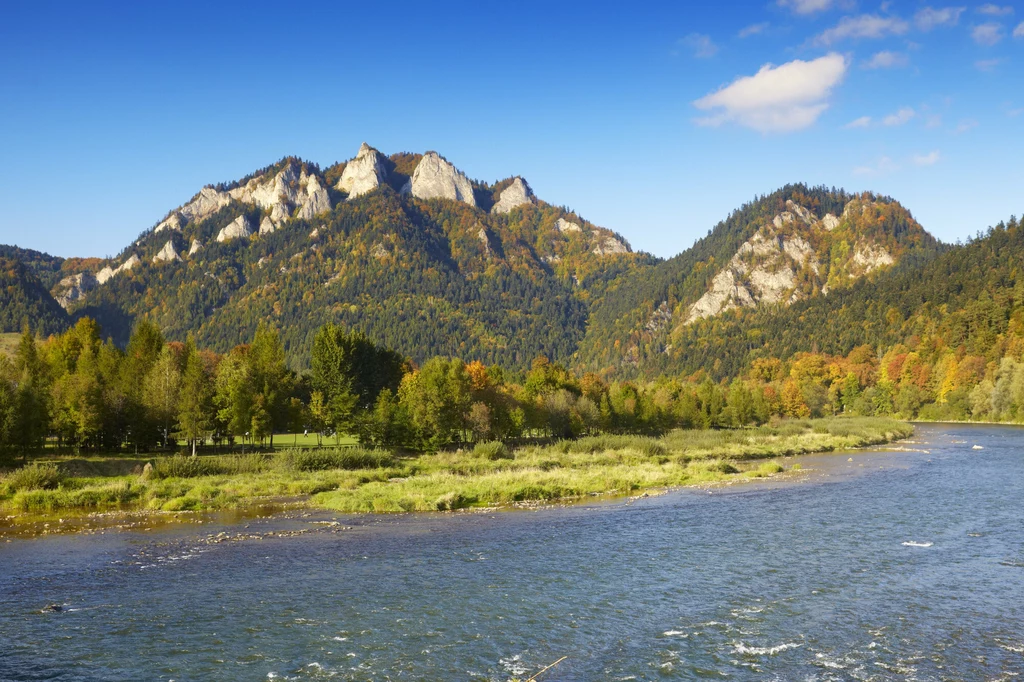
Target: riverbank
[489, 475]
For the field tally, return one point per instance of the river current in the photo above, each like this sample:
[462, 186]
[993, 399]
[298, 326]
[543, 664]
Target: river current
[902, 564]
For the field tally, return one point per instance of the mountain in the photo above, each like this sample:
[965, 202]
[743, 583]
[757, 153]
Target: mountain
[409, 250]
[404, 248]
[796, 244]
[26, 299]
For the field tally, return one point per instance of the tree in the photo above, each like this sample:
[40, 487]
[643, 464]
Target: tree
[32, 414]
[437, 399]
[270, 378]
[161, 391]
[195, 402]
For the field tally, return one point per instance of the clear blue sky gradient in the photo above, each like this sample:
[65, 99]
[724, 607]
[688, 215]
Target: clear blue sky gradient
[112, 114]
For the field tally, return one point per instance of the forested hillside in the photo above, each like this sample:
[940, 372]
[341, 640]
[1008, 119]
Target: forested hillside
[820, 241]
[25, 300]
[484, 277]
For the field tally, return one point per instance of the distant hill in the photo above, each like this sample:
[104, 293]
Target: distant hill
[27, 301]
[796, 244]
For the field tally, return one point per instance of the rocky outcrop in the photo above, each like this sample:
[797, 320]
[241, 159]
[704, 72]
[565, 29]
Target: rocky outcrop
[280, 213]
[168, 254]
[516, 194]
[103, 275]
[869, 257]
[132, 261]
[174, 222]
[365, 173]
[74, 288]
[205, 204]
[107, 273]
[563, 226]
[195, 248]
[240, 228]
[609, 246]
[830, 222]
[315, 200]
[267, 225]
[763, 271]
[435, 178]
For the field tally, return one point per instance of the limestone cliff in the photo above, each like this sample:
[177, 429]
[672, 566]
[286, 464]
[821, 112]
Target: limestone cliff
[365, 173]
[435, 178]
[516, 194]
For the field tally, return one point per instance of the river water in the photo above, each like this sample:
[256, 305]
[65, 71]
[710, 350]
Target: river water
[905, 565]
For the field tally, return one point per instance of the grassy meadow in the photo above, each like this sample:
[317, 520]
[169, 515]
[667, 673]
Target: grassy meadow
[353, 479]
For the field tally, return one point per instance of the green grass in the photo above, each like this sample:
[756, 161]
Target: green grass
[490, 474]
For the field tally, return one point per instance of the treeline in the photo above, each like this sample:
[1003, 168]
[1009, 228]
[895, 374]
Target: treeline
[81, 393]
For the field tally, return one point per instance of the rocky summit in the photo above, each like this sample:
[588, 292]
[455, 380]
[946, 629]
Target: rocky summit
[365, 173]
[436, 178]
[515, 195]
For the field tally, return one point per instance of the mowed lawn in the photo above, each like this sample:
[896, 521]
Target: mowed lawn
[298, 440]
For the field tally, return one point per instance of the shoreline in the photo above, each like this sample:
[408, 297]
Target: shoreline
[567, 473]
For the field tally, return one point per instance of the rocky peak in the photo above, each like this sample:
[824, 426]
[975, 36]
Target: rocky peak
[240, 227]
[174, 222]
[435, 178]
[314, 199]
[168, 254]
[195, 248]
[205, 204]
[516, 194]
[364, 173]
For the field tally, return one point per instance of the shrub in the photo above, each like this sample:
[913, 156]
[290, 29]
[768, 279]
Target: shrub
[186, 466]
[451, 501]
[492, 450]
[337, 458]
[35, 476]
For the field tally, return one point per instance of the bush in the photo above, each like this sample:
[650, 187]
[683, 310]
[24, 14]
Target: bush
[186, 466]
[337, 458]
[451, 502]
[492, 450]
[35, 476]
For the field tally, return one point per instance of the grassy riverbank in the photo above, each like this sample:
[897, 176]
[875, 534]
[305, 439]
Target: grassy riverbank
[357, 480]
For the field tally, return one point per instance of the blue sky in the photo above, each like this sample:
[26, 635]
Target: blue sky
[655, 121]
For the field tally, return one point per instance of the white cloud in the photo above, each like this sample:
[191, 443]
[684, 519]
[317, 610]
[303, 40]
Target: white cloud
[887, 60]
[753, 30]
[965, 125]
[987, 34]
[863, 26]
[701, 45]
[929, 159]
[1012, 113]
[987, 64]
[995, 10]
[806, 6]
[882, 166]
[777, 98]
[928, 18]
[1019, 31]
[862, 122]
[900, 117]
[933, 121]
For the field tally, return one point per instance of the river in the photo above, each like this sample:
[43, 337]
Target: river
[898, 565]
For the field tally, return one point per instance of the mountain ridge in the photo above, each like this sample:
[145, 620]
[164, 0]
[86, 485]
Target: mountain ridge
[409, 250]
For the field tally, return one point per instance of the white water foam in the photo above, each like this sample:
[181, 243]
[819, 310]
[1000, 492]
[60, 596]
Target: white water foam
[742, 648]
[911, 543]
[675, 633]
